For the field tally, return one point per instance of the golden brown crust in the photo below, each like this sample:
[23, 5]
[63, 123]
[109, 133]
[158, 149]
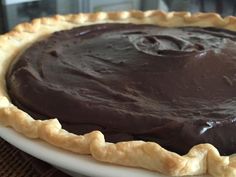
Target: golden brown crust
[201, 159]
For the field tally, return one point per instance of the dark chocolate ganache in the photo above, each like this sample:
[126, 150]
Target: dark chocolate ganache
[173, 86]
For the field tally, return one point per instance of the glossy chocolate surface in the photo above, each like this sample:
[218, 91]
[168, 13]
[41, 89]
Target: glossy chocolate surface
[174, 86]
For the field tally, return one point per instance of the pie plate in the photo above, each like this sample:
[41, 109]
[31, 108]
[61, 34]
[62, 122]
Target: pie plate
[68, 162]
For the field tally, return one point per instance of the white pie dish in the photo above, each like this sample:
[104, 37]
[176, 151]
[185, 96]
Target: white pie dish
[75, 165]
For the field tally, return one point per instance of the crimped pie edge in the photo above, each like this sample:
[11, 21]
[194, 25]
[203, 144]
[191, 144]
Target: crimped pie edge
[201, 159]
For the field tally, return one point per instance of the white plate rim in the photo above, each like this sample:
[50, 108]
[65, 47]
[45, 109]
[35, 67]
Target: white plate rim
[74, 163]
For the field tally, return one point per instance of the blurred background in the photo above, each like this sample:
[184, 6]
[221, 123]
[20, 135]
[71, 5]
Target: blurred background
[13, 12]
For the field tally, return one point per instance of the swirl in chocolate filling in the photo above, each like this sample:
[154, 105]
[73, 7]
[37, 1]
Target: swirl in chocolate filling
[173, 86]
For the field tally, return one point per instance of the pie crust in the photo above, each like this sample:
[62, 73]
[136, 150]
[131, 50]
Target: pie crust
[201, 159]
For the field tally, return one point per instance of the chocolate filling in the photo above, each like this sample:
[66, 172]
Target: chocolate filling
[173, 86]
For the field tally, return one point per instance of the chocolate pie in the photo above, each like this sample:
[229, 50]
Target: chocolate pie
[145, 89]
